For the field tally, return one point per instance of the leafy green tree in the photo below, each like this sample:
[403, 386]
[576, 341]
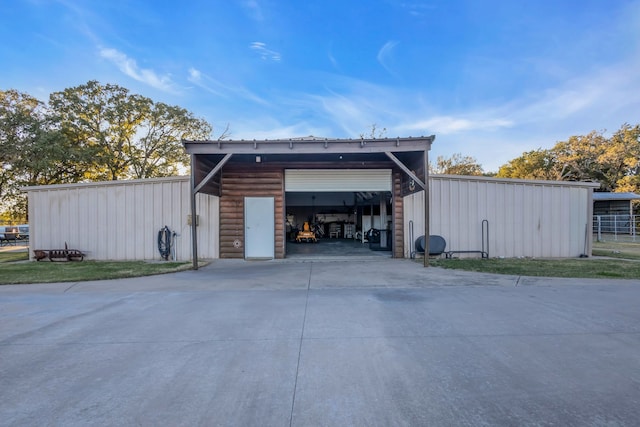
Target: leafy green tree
[33, 151]
[158, 150]
[457, 164]
[87, 133]
[613, 162]
[102, 120]
[126, 135]
[620, 160]
[19, 122]
[535, 164]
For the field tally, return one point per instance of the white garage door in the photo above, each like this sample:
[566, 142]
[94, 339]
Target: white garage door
[337, 180]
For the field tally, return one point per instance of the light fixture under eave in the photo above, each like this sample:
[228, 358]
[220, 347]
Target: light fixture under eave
[258, 159]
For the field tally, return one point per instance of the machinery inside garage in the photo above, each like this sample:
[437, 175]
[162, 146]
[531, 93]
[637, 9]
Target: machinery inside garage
[338, 223]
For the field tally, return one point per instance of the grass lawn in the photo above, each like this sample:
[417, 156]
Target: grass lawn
[625, 250]
[574, 267]
[14, 269]
[622, 262]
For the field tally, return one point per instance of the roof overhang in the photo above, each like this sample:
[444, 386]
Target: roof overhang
[605, 196]
[209, 157]
[310, 146]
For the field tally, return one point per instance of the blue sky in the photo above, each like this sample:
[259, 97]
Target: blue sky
[491, 79]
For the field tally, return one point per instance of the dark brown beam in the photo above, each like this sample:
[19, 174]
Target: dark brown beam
[406, 170]
[211, 174]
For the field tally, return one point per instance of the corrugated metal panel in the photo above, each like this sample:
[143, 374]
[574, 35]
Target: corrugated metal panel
[120, 221]
[525, 219]
[337, 179]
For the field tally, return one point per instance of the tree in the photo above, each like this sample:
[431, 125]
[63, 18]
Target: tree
[620, 160]
[102, 120]
[373, 132]
[613, 162]
[32, 151]
[87, 133]
[19, 122]
[536, 164]
[457, 164]
[127, 135]
[158, 151]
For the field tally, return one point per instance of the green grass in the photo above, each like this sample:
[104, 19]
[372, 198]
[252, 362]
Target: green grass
[575, 267]
[49, 272]
[13, 256]
[626, 250]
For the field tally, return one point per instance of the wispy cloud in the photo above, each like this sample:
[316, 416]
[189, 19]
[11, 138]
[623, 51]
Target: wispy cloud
[262, 127]
[265, 53]
[384, 55]
[450, 125]
[254, 10]
[333, 60]
[129, 67]
[217, 88]
[605, 92]
[416, 9]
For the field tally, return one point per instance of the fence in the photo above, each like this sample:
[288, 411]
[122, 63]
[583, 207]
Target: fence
[616, 227]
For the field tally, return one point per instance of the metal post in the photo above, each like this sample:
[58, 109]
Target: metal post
[194, 223]
[426, 206]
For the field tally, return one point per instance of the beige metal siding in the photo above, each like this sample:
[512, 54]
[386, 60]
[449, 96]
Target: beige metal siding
[337, 179]
[120, 220]
[526, 219]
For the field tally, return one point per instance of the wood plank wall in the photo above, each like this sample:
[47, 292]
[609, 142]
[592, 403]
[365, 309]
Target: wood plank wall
[238, 182]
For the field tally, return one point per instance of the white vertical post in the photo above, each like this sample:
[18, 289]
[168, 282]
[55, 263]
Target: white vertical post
[194, 229]
[426, 206]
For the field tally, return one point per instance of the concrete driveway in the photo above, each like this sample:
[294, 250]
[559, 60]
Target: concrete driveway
[361, 343]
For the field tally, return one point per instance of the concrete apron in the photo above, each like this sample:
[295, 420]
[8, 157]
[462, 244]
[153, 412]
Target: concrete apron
[279, 343]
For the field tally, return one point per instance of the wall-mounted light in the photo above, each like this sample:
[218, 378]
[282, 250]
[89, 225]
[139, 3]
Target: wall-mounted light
[258, 159]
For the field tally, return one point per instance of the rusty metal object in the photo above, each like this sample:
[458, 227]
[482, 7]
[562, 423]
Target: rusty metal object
[65, 254]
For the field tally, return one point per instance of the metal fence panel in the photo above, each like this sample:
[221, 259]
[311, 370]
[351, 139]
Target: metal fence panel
[616, 227]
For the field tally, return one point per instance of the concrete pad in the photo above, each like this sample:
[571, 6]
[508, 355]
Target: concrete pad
[321, 343]
[227, 382]
[463, 382]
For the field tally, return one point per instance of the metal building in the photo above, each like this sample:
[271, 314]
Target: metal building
[120, 220]
[243, 194]
[522, 218]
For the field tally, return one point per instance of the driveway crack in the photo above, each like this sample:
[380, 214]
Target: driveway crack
[304, 322]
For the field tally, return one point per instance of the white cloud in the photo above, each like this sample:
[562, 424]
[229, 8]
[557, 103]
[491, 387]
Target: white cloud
[129, 67]
[450, 125]
[217, 88]
[262, 127]
[253, 9]
[194, 75]
[384, 55]
[266, 54]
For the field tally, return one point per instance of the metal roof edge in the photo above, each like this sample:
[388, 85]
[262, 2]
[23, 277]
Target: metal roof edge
[309, 146]
[179, 178]
[517, 180]
[607, 196]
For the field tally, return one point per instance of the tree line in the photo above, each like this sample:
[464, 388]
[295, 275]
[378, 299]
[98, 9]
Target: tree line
[96, 132]
[91, 132]
[613, 161]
